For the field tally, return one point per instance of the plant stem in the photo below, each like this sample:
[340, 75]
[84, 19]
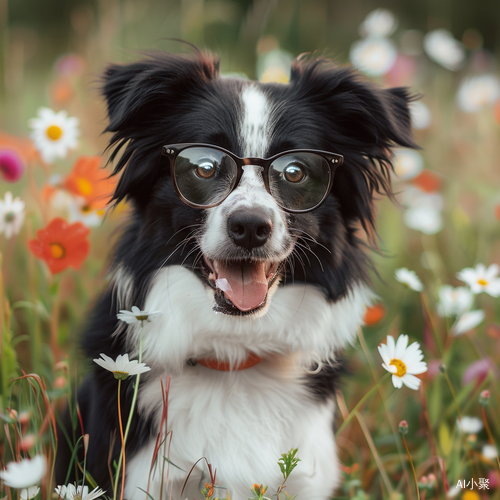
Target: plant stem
[360, 403]
[412, 466]
[469, 453]
[122, 455]
[488, 431]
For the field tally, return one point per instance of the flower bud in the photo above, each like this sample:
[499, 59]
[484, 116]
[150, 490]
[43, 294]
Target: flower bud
[484, 397]
[403, 427]
[442, 368]
[27, 442]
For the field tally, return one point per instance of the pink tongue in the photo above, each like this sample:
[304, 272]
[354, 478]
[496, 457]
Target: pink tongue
[246, 285]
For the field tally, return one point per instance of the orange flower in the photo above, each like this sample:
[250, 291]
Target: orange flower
[374, 314]
[497, 211]
[61, 245]
[427, 181]
[89, 181]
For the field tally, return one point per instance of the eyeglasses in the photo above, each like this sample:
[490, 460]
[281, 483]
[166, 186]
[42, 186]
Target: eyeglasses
[204, 175]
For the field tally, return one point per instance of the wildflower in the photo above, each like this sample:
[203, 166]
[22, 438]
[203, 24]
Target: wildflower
[481, 279]
[454, 301]
[373, 314]
[414, 197]
[470, 425]
[90, 182]
[54, 133]
[274, 66]
[424, 219]
[409, 278]
[122, 367]
[11, 215]
[80, 211]
[29, 493]
[11, 165]
[442, 48]
[379, 23]
[72, 492]
[427, 181]
[26, 473]
[403, 427]
[61, 245]
[420, 115]
[478, 371]
[54, 193]
[407, 163]
[478, 92]
[136, 315]
[484, 398]
[467, 322]
[489, 451]
[403, 361]
[373, 56]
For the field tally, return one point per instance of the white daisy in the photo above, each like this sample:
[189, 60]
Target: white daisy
[442, 48]
[11, 215]
[403, 361]
[72, 492]
[424, 219]
[29, 493]
[407, 163]
[414, 197]
[478, 92]
[481, 279]
[470, 425]
[54, 133]
[420, 114]
[409, 278]
[26, 473]
[136, 315]
[467, 322]
[373, 56]
[122, 368]
[379, 23]
[454, 301]
[79, 211]
[489, 451]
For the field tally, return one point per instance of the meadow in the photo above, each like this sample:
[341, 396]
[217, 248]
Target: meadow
[433, 436]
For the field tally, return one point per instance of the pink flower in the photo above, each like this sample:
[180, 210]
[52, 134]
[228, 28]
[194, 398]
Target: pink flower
[11, 165]
[478, 371]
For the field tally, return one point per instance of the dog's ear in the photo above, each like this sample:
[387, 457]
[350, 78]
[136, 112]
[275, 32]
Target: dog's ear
[143, 100]
[361, 121]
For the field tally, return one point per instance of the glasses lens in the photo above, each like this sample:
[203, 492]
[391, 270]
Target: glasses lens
[299, 181]
[204, 176]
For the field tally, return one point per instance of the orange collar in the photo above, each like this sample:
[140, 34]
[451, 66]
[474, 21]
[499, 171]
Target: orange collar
[224, 366]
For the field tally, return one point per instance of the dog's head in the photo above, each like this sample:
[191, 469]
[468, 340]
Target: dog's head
[195, 164]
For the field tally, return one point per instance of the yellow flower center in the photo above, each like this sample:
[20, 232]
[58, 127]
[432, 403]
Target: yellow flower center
[86, 209]
[54, 132]
[470, 495]
[84, 186]
[400, 367]
[482, 282]
[57, 250]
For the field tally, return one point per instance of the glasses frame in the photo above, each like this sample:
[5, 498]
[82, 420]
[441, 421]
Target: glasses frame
[333, 160]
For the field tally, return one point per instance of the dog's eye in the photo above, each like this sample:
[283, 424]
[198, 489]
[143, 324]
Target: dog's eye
[293, 173]
[206, 169]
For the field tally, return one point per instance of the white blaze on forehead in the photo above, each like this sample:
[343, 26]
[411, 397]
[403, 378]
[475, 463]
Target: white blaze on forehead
[255, 125]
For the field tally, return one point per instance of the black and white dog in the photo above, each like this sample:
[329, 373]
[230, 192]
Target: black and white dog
[247, 203]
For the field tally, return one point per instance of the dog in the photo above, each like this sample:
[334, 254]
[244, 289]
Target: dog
[250, 205]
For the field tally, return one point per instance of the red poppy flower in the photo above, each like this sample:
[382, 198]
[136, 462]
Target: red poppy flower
[90, 181]
[427, 181]
[61, 245]
[373, 314]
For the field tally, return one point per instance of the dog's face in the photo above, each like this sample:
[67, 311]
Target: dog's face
[248, 245]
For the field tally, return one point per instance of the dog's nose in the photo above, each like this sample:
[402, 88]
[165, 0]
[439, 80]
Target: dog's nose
[249, 228]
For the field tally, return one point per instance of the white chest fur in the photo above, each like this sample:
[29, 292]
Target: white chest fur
[241, 422]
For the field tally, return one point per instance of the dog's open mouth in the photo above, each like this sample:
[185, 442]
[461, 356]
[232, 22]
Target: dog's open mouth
[241, 286]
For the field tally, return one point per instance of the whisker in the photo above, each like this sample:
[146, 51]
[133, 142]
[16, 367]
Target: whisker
[310, 238]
